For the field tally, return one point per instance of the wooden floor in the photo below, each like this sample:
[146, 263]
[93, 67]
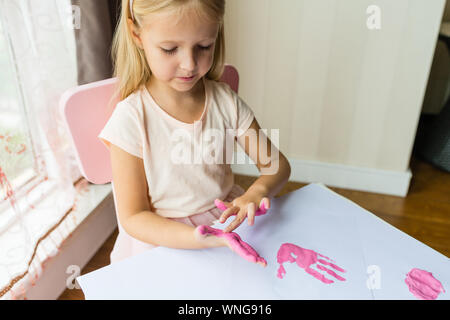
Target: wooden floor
[424, 214]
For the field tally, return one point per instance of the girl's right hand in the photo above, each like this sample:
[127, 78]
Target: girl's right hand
[233, 241]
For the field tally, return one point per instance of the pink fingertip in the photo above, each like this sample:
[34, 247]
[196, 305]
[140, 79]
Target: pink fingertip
[263, 207]
[262, 210]
[219, 204]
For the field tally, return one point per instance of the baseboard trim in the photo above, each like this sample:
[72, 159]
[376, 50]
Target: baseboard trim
[337, 175]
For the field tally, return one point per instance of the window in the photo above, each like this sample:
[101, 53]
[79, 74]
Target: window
[37, 163]
[17, 166]
[37, 59]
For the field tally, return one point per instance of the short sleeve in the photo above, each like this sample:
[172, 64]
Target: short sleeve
[123, 129]
[244, 115]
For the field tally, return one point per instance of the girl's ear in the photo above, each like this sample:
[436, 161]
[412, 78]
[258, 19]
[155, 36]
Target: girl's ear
[135, 33]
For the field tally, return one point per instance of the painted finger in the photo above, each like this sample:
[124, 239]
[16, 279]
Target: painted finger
[267, 202]
[239, 247]
[236, 222]
[248, 247]
[247, 256]
[260, 260]
[227, 213]
[263, 206]
[251, 213]
[222, 205]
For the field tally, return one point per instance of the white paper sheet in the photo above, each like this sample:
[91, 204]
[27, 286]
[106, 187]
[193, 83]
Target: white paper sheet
[312, 217]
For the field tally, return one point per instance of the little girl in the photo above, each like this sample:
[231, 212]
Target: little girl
[168, 57]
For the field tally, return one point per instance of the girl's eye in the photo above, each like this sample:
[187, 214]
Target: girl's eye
[172, 51]
[205, 48]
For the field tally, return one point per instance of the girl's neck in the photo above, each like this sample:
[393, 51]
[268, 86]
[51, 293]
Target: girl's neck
[187, 108]
[174, 97]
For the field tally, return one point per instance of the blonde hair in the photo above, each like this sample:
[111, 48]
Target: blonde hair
[130, 65]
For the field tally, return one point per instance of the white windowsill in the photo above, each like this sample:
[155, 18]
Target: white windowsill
[96, 220]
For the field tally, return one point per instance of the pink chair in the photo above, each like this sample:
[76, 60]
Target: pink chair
[85, 112]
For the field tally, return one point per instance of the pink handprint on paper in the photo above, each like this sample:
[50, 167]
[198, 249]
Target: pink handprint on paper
[306, 258]
[423, 285]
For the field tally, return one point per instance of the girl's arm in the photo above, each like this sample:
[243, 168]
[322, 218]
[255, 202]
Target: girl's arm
[272, 164]
[136, 215]
[268, 185]
[149, 227]
[274, 171]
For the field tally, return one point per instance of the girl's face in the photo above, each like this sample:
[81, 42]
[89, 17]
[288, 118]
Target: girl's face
[176, 50]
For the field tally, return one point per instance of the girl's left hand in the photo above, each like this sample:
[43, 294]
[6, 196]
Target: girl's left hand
[233, 241]
[243, 206]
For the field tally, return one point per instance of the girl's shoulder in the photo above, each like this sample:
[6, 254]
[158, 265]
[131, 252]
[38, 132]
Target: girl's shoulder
[221, 91]
[135, 97]
[217, 85]
[133, 100]
[130, 107]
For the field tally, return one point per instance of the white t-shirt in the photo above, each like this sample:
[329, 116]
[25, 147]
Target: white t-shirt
[181, 185]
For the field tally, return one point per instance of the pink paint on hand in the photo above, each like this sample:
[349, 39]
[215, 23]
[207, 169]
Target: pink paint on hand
[423, 285]
[305, 259]
[262, 208]
[235, 242]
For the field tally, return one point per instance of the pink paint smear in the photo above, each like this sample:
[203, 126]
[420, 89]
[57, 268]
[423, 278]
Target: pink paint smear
[233, 240]
[235, 243]
[423, 285]
[305, 259]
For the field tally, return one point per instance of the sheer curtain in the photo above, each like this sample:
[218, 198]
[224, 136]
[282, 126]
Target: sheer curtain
[40, 40]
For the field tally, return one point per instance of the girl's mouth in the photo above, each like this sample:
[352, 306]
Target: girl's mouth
[186, 79]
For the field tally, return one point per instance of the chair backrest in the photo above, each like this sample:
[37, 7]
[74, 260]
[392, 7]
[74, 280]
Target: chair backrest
[85, 112]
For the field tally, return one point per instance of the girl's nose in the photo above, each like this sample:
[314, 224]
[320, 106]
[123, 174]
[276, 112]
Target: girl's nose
[188, 61]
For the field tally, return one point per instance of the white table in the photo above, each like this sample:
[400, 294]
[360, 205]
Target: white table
[375, 255]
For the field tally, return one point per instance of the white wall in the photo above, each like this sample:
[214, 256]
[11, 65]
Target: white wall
[339, 93]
